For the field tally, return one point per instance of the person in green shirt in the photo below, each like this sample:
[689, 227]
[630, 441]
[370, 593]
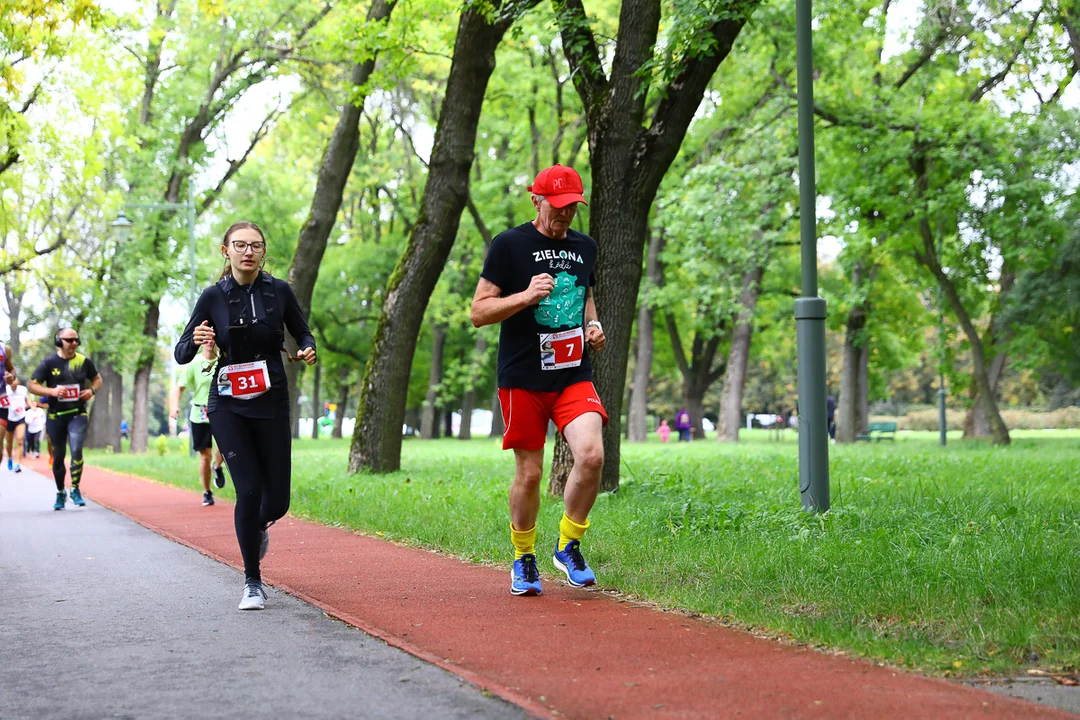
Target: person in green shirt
[197, 375]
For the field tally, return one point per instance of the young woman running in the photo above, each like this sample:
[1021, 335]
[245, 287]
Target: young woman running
[246, 314]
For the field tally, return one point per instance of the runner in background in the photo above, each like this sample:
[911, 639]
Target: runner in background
[35, 428]
[68, 379]
[9, 376]
[18, 399]
[197, 375]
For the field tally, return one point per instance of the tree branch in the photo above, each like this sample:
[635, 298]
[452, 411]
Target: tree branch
[582, 52]
[235, 165]
[991, 83]
[676, 345]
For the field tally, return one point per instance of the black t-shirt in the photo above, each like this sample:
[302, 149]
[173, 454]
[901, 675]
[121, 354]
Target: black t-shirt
[542, 347]
[55, 371]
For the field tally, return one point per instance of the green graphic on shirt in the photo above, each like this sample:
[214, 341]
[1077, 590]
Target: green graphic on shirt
[564, 306]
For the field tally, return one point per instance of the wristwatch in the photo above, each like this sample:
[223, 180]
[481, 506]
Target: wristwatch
[596, 323]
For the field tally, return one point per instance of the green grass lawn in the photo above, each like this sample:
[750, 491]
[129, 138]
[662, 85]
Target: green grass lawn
[961, 560]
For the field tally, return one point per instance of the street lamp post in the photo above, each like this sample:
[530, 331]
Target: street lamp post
[809, 309]
[123, 225]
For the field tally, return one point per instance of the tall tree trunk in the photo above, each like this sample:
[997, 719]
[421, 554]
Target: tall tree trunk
[342, 402]
[116, 407]
[977, 420]
[739, 358]
[103, 423]
[862, 404]
[637, 415]
[376, 443]
[848, 404]
[629, 156]
[140, 437]
[429, 416]
[468, 404]
[448, 421]
[498, 427]
[316, 403]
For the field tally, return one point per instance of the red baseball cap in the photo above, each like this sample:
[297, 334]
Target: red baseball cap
[561, 185]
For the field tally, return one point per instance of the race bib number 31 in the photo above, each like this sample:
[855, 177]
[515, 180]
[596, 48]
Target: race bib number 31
[562, 349]
[68, 393]
[244, 381]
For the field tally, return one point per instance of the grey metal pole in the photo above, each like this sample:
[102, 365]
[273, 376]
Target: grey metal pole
[810, 309]
[191, 244]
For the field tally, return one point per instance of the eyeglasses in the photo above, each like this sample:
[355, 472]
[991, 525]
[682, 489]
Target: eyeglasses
[241, 247]
[73, 341]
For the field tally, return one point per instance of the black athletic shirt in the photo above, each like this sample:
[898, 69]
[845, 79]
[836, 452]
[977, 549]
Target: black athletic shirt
[515, 257]
[267, 306]
[54, 371]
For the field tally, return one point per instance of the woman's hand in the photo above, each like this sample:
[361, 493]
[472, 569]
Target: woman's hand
[307, 355]
[203, 334]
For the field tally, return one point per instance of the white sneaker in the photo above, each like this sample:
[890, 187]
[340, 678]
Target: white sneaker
[254, 596]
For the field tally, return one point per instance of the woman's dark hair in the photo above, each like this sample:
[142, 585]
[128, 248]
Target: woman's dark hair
[243, 224]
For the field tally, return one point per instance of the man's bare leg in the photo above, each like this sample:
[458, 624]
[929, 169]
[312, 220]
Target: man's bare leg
[524, 509]
[525, 490]
[584, 435]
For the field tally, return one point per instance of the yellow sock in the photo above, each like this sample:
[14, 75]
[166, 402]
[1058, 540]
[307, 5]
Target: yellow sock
[570, 530]
[524, 541]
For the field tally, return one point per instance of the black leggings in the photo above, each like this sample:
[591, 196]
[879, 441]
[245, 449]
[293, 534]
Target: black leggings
[259, 455]
[64, 430]
[33, 442]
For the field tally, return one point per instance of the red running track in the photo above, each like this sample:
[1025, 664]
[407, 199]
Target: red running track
[569, 653]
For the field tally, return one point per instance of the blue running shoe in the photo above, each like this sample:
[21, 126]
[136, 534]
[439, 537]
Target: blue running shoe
[570, 562]
[525, 578]
[61, 500]
[18, 468]
[76, 497]
[9, 464]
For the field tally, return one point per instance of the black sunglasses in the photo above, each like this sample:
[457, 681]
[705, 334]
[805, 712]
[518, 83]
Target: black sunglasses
[71, 340]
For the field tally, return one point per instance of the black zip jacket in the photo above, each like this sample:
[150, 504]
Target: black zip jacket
[267, 306]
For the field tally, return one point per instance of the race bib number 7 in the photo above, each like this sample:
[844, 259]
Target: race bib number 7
[244, 381]
[562, 349]
[68, 393]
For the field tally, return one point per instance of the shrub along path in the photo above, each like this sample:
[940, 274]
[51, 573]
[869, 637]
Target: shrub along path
[570, 652]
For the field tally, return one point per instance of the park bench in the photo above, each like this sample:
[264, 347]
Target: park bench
[879, 431]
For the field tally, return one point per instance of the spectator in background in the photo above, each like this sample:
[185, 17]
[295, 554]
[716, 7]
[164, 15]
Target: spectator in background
[664, 431]
[682, 424]
[124, 429]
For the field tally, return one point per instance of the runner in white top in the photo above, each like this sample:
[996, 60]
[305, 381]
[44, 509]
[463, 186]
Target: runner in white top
[35, 428]
[16, 424]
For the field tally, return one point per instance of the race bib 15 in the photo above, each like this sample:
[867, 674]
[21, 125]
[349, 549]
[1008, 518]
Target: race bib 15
[562, 349]
[68, 393]
[244, 381]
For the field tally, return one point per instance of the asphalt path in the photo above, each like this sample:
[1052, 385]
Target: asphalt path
[105, 618]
